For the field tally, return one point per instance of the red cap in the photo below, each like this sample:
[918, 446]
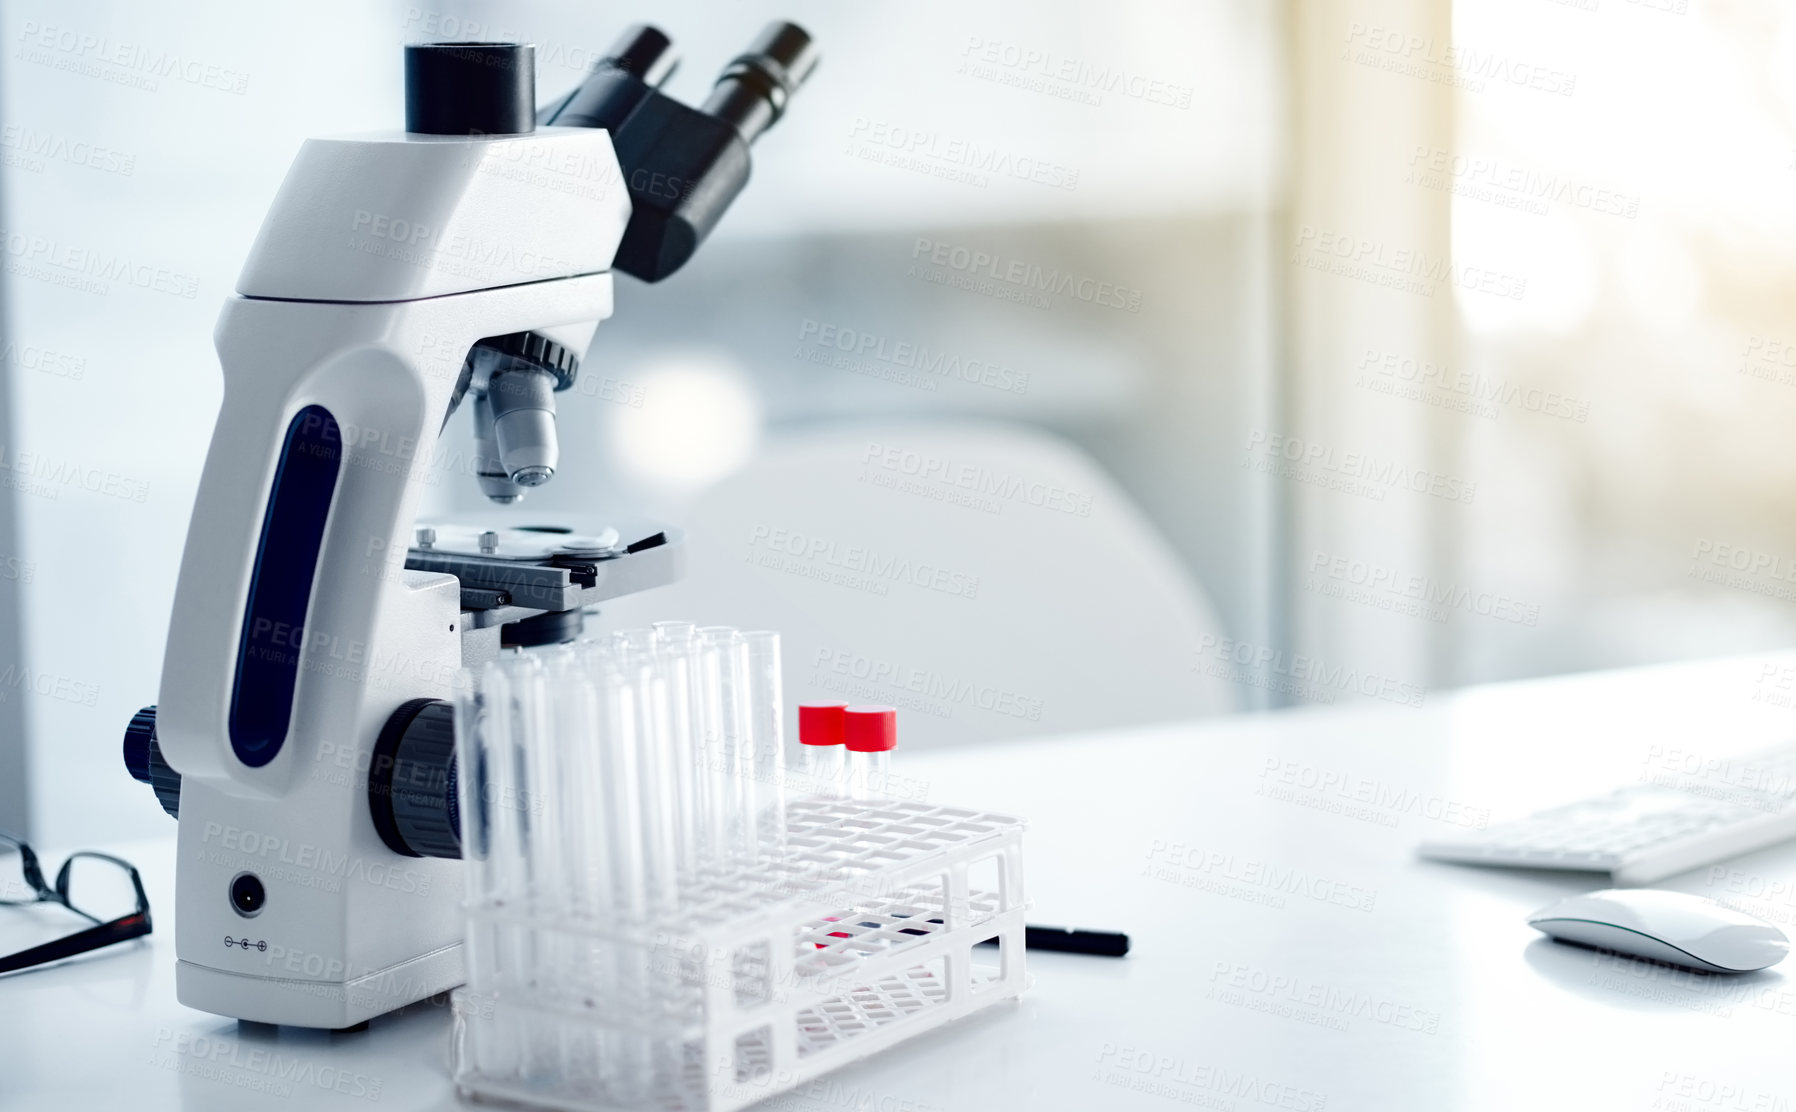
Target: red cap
[870, 729]
[820, 723]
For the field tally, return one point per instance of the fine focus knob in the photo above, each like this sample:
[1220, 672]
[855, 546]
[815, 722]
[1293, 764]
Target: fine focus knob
[143, 760]
[470, 88]
[411, 781]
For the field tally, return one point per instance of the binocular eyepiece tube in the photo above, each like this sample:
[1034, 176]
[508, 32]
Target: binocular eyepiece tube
[683, 165]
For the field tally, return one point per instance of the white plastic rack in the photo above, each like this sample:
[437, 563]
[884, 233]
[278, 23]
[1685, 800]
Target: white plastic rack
[861, 932]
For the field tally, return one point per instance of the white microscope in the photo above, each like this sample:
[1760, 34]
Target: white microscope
[301, 736]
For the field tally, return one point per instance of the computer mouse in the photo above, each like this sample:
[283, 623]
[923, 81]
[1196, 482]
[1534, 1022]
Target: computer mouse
[1673, 927]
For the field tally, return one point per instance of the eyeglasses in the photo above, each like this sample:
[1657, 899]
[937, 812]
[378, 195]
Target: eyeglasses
[100, 876]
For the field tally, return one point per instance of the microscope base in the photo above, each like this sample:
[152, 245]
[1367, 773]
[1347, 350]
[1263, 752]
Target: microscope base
[331, 1005]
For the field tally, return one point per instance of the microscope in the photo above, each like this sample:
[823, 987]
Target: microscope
[302, 738]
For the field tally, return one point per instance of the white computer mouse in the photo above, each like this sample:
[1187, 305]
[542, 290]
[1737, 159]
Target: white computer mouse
[1672, 927]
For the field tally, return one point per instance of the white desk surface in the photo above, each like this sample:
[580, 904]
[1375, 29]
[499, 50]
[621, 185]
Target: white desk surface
[1370, 981]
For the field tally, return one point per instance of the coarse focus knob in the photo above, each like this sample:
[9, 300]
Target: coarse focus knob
[143, 760]
[412, 781]
[470, 88]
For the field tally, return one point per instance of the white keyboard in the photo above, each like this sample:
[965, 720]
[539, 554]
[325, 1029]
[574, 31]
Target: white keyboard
[1647, 830]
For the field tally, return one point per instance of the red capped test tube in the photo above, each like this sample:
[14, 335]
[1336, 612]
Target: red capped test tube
[870, 733]
[820, 735]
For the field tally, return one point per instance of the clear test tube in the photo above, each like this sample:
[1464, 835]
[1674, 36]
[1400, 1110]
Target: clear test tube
[673, 666]
[621, 797]
[489, 846]
[574, 875]
[630, 643]
[583, 769]
[519, 812]
[551, 745]
[674, 633]
[820, 745]
[730, 741]
[625, 1052]
[766, 713]
[657, 789]
[870, 733]
[708, 665]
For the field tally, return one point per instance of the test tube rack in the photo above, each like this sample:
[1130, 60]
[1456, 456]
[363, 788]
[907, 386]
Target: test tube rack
[861, 933]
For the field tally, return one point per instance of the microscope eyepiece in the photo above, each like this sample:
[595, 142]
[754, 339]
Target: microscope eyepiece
[636, 65]
[752, 90]
[645, 53]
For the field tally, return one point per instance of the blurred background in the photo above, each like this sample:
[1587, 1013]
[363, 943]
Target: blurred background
[1063, 365]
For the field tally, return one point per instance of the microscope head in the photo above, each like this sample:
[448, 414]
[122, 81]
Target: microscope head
[682, 167]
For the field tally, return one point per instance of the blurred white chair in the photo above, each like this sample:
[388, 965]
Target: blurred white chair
[988, 580]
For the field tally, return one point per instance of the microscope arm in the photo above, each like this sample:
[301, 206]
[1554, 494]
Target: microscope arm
[346, 393]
